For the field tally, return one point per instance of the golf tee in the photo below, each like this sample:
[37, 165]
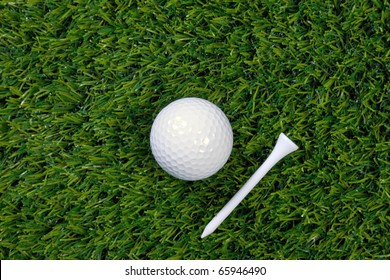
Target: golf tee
[283, 147]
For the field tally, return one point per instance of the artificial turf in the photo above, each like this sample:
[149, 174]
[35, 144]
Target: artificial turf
[82, 81]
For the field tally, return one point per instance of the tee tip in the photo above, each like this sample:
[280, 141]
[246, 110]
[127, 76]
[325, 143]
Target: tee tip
[206, 232]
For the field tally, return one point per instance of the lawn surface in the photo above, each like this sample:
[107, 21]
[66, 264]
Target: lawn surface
[80, 85]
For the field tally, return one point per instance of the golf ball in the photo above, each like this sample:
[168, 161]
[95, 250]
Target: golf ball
[191, 139]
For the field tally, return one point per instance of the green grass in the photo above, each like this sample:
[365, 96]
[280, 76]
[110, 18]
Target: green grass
[80, 85]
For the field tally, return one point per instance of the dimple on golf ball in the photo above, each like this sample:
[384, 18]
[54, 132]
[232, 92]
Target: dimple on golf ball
[191, 139]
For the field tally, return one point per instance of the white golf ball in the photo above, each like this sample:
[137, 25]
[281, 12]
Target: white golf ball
[191, 139]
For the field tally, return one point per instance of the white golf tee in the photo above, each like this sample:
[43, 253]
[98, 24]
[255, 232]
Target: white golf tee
[283, 147]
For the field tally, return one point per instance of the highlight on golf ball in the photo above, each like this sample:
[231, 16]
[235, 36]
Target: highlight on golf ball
[191, 139]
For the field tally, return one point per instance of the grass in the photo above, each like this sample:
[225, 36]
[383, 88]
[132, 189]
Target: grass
[80, 85]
